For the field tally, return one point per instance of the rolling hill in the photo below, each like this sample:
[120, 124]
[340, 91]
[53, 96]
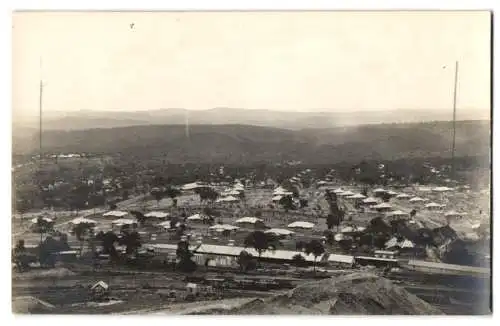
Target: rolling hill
[87, 119]
[243, 144]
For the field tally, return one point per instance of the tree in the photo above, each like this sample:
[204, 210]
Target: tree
[287, 203]
[330, 196]
[108, 241]
[413, 213]
[244, 260]
[185, 264]
[207, 193]
[257, 240]
[96, 200]
[212, 195]
[47, 249]
[43, 226]
[332, 220]
[379, 240]
[132, 242]
[157, 194]
[303, 203]
[159, 181]
[79, 197]
[141, 218]
[173, 222]
[386, 197]
[172, 193]
[336, 215]
[81, 231]
[210, 212]
[180, 230]
[316, 248]
[19, 256]
[300, 245]
[329, 237]
[299, 261]
[19, 248]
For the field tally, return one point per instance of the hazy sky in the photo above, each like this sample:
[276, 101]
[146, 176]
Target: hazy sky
[318, 61]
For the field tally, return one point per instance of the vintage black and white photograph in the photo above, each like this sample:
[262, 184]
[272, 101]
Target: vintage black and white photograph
[251, 162]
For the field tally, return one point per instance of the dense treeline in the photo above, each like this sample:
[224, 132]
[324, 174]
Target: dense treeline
[244, 144]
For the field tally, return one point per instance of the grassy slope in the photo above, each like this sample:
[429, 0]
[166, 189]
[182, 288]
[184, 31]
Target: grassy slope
[246, 144]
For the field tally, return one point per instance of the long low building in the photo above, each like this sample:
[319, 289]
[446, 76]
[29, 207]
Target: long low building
[376, 261]
[446, 269]
[231, 254]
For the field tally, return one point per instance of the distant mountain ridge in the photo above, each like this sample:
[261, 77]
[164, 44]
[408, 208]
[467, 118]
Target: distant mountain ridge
[239, 144]
[217, 116]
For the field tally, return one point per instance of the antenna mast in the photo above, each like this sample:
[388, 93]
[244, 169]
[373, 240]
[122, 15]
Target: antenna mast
[40, 110]
[454, 121]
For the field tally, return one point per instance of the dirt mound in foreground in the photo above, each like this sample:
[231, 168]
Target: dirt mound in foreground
[30, 305]
[350, 294]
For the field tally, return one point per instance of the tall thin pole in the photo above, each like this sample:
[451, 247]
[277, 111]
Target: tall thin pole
[186, 123]
[454, 121]
[40, 113]
[40, 109]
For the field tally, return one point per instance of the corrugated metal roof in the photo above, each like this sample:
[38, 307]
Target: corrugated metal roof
[157, 214]
[123, 221]
[219, 250]
[268, 254]
[166, 246]
[449, 267]
[247, 219]
[279, 231]
[301, 224]
[341, 258]
[115, 213]
[376, 258]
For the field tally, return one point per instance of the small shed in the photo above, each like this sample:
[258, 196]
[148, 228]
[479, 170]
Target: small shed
[197, 218]
[433, 206]
[383, 207]
[356, 196]
[99, 289]
[192, 288]
[370, 201]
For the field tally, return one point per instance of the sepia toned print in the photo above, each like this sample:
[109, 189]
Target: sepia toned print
[251, 163]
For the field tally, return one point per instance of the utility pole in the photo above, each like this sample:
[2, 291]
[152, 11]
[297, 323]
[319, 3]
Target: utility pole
[186, 124]
[40, 115]
[40, 106]
[454, 121]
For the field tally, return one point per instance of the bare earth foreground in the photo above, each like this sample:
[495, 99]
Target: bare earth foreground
[349, 294]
